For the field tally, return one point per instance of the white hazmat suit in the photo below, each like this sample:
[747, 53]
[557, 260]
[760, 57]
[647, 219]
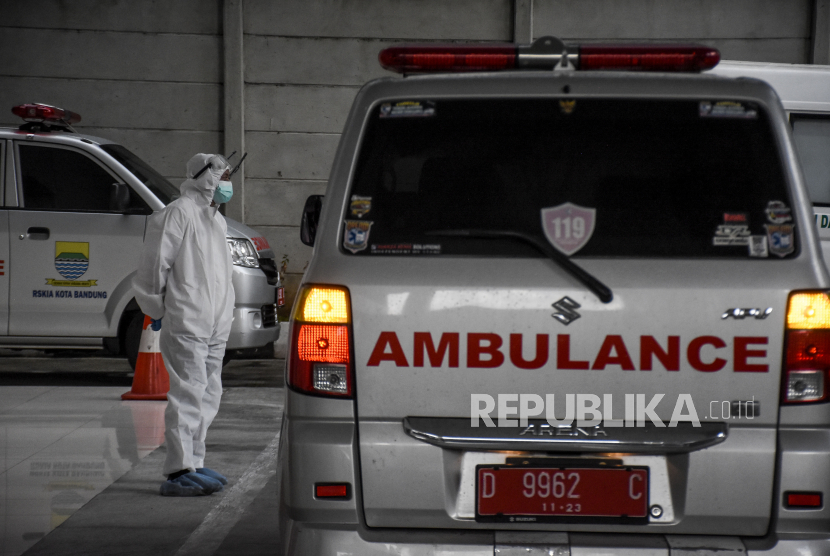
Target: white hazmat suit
[184, 277]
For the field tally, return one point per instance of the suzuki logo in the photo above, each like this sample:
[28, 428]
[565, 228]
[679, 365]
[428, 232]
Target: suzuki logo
[565, 310]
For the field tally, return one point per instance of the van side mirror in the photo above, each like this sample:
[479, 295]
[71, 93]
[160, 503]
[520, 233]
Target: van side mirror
[311, 216]
[119, 197]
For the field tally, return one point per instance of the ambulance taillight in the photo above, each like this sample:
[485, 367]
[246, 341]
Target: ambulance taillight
[807, 361]
[320, 360]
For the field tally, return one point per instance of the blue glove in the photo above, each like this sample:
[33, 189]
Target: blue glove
[155, 324]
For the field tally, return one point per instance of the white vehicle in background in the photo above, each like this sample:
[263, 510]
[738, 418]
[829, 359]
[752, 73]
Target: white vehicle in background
[72, 221]
[805, 94]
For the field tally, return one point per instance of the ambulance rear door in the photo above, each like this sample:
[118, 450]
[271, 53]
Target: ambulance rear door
[459, 214]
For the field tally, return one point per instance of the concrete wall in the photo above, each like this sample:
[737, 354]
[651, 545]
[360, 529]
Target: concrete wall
[169, 78]
[752, 30]
[145, 73]
[304, 62]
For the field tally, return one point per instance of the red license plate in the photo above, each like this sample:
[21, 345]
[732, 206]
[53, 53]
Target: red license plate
[569, 492]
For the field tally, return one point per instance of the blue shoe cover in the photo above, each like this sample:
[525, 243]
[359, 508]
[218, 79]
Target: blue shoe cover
[208, 484]
[212, 474]
[182, 486]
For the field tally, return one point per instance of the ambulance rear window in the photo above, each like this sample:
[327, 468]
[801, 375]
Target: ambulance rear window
[599, 178]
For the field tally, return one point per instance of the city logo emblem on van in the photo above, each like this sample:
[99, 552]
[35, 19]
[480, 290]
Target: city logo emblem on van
[568, 227]
[565, 310]
[71, 262]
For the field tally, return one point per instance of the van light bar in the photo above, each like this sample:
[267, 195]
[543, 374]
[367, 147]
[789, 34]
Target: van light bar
[547, 53]
[37, 112]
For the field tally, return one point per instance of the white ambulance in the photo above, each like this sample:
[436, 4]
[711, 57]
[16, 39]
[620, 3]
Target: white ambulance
[557, 305]
[74, 209]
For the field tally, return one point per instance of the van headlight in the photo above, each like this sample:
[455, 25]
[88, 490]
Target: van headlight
[243, 252]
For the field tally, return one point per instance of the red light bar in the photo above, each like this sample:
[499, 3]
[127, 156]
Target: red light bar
[426, 58]
[37, 112]
[670, 57]
[805, 500]
[547, 53]
[339, 490]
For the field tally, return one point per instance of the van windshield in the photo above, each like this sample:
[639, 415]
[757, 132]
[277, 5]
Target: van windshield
[594, 178]
[155, 182]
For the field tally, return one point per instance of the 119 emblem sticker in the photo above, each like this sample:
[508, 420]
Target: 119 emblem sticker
[568, 227]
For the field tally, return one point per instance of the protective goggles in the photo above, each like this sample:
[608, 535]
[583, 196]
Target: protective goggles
[217, 163]
[220, 163]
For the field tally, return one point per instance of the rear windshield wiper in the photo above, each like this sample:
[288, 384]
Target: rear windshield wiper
[602, 291]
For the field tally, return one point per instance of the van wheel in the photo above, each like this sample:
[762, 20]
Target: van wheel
[132, 337]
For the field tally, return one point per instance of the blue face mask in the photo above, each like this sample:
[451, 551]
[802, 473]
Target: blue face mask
[223, 192]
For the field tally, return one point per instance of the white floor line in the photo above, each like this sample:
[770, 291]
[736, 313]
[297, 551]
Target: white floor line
[207, 538]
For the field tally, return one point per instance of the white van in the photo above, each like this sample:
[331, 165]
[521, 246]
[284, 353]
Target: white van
[805, 94]
[73, 210]
[510, 229]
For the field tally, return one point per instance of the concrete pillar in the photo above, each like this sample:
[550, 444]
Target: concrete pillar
[234, 101]
[821, 32]
[523, 21]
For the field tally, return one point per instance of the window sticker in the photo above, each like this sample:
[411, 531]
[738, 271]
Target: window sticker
[781, 239]
[728, 235]
[356, 235]
[406, 248]
[778, 213]
[568, 227]
[758, 246]
[735, 218]
[567, 106]
[360, 206]
[407, 109]
[727, 109]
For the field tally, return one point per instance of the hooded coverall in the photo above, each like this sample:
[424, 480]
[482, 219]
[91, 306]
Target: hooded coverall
[184, 276]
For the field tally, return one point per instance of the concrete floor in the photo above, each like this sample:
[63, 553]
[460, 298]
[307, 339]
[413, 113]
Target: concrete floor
[80, 469]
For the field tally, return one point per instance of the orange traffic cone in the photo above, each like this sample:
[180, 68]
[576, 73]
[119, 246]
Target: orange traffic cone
[151, 381]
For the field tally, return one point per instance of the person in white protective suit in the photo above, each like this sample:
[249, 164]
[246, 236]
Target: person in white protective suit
[184, 284]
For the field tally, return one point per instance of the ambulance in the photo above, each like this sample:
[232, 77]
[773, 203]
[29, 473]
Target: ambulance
[72, 221]
[563, 300]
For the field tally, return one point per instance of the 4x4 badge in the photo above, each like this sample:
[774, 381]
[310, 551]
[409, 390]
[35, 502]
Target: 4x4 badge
[565, 310]
[740, 314]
